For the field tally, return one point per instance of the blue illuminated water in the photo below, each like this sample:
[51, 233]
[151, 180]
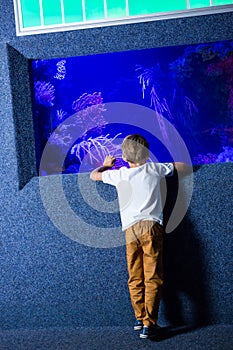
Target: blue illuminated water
[190, 86]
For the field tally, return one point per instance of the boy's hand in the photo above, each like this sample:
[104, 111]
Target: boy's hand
[109, 161]
[96, 174]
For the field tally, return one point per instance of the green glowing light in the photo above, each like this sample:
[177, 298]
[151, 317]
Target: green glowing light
[93, 10]
[116, 8]
[30, 13]
[199, 3]
[52, 12]
[73, 11]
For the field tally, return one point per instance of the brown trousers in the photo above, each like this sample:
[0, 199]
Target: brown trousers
[144, 246]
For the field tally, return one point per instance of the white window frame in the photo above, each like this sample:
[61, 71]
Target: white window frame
[20, 31]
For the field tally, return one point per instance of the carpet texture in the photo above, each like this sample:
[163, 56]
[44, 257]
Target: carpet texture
[217, 337]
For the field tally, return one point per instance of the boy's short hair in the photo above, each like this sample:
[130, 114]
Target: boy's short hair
[135, 149]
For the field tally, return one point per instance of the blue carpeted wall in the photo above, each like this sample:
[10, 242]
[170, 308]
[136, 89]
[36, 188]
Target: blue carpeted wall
[49, 280]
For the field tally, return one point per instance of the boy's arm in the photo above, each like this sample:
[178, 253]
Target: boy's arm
[96, 174]
[182, 168]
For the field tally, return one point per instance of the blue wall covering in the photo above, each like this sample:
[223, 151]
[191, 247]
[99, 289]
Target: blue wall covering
[49, 280]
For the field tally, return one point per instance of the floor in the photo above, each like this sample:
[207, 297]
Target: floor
[216, 337]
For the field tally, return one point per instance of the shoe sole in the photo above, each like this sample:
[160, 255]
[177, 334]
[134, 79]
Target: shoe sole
[143, 336]
[152, 335]
[137, 328]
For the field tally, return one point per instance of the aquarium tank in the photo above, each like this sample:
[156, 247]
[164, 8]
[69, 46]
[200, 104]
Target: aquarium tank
[191, 86]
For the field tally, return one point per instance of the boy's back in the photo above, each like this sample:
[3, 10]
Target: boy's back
[139, 191]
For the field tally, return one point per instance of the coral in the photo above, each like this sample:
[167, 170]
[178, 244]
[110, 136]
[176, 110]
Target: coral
[226, 155]
[152, 78]
[61, 115]
[94, 150]
[61, 70]
[44, 93]
[87, 100]
[88, 116]
[205, 158]
[190, 106]
[149, 78]
[176, 107]
[60, 137]
[223, 157]
[90, 108]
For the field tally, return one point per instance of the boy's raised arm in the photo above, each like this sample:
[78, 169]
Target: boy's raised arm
[96, 174]
[182, 168]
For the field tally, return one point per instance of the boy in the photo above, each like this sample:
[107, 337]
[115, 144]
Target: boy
[141, 209]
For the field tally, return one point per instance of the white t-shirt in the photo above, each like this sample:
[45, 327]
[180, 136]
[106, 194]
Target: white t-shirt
[139, 192]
